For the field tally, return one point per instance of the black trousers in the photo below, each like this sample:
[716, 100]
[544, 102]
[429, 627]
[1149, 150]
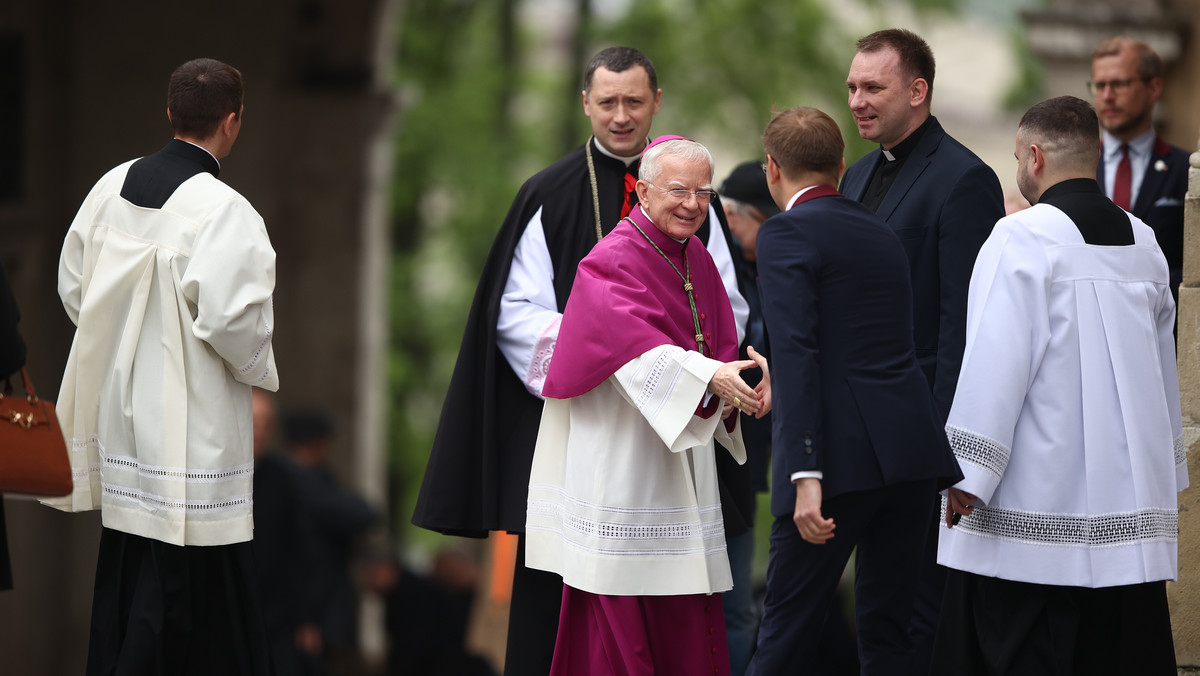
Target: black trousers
[532, 619]
[888, 527]
[165, 610]
[1000, 627]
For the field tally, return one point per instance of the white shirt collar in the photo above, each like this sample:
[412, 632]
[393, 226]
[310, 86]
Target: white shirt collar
[627, 160]
[1138, 147]
[205, 150]
[797, 196]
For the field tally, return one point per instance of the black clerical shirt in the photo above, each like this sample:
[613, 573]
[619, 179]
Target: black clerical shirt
[887, 170]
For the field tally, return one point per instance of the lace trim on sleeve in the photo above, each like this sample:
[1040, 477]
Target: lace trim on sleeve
[539, 362]
[252, 363]
[979, 450]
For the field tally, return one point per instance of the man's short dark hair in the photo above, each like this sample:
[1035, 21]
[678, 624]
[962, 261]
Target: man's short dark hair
[1149, 65]
[201, 93]
[619, 60]
[1066, 126]
[804, 140]
[916, 58]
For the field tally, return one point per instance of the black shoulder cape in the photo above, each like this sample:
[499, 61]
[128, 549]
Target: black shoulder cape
[477, 479]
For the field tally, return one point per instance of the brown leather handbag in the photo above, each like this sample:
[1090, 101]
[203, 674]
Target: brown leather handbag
[33, 451]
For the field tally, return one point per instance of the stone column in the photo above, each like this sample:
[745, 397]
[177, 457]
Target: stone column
[1184, 595]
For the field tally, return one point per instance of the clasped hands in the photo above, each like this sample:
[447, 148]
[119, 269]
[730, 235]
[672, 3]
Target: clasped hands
[736, 394]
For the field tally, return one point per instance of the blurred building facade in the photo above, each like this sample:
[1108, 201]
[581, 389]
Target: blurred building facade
[82, 89]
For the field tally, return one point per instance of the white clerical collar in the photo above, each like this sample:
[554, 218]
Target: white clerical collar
[204, 149]
[888, 154]
[627, 160]
[1139, 147]
[797, 196]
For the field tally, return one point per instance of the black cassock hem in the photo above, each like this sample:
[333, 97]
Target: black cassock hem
[994, 626]
[162, 609]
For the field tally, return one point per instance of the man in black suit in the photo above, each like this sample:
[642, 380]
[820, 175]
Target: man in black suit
[942, 201]
[858, 443]
[1138, 170]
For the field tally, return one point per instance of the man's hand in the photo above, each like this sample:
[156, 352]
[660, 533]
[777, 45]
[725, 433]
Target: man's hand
[813, 527]
[958, 502]
[763, 390]
[727, 384]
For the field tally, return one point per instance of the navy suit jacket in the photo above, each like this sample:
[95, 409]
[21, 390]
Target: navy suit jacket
[1160, 200]
[849, 397]
[942, 205]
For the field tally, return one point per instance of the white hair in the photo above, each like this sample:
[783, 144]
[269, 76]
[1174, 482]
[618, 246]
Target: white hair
[683, 149]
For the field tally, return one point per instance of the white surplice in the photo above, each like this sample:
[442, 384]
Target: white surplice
[1066, 421]
[623, 496]
[174, 315]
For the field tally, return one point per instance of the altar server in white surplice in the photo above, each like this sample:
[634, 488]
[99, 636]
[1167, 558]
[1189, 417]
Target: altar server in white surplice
[168, 274]
[1066, 423]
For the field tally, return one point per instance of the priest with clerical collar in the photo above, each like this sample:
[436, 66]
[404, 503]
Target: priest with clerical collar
[623, 499]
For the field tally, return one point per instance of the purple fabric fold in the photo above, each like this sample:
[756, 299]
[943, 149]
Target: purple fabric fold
[627, 300]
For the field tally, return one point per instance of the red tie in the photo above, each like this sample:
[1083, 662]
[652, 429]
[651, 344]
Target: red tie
[1124, 177]
[630, 183]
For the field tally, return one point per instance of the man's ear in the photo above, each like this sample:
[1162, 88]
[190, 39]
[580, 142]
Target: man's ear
[773, 173]
[642, 188]
[1155, 85]
[918, 92]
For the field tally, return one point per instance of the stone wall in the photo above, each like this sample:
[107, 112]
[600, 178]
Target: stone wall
[1185, 594]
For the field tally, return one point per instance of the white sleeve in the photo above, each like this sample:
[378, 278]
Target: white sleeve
[1008, 330]
[229, 279]
[665, 384]
[718, 248]
[527, 328]
[70, 268]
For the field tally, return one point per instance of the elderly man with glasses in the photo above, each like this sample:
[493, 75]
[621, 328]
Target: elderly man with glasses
[623, 498]
[1139, 171]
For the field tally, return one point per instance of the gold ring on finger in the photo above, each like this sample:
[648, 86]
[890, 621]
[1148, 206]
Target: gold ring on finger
[737, 401]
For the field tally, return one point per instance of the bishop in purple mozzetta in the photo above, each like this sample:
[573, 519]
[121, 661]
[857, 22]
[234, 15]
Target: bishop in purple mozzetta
[623, 499]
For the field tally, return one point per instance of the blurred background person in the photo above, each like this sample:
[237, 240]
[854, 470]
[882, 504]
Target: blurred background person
[1138, 169]
[427, 616]
[307, 529]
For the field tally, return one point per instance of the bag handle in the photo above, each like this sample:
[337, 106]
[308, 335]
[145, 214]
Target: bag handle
[30, 393]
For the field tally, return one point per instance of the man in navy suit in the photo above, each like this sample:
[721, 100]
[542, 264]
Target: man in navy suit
[858, 443]
[1138, 170]
[942, 201]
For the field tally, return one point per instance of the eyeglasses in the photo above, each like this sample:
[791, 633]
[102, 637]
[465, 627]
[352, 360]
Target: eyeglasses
[1117, 86]
[680, 194]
